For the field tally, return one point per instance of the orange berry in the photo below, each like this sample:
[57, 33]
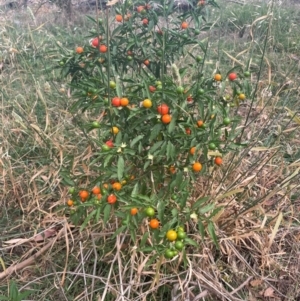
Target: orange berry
[117, 186]
[218, 77]
[166, 118]
[96, 190]
[99, 196]
[105, 185]
[172, 169]
[192, 150]
[154, 223]
[119, 18]
[184, 25]
[147, 62]
[140, 8]
[111, 199]
[133, 211]
[83, 194]
[79, 50]
[124, 102]
[200, 123]
[70, 203]
[218, 161]
[103, 48]
[197, 166]
[145, 21]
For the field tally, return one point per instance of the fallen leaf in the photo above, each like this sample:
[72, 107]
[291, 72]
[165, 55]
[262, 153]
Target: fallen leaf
[256, 282]
[269, 292]
[16, 241]
[45, 234]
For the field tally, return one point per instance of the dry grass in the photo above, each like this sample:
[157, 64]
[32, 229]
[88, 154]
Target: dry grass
[258, 255]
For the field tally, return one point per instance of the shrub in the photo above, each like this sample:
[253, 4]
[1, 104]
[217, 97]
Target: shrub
[160, 131]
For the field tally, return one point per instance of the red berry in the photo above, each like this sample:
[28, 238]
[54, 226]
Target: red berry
[163, 109]
[232, 76]
[109, 143]
[116, 101]
[95, 42]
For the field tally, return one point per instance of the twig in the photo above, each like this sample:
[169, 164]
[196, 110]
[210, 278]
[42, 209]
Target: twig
[83, 271]
[41, 4]
[67, 256]
[31, 259]
[95, 266]
[201, 295]
[241, 286]
[120, 267]
[110, 272]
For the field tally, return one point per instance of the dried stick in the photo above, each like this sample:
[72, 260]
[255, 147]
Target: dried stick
[31, 259]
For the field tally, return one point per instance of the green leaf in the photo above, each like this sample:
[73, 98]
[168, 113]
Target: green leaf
[174, 212]
[97, 217]
[155, 131]
[143, 197]
[91, 19]
[172, 124]
[25, 294]
[201, 229]
[107, 160]
[118, 231]
[87, 219]
[215, 212]
[179, 177]
[144, 239]
[146, 165]
[161, 210]
[191, 242]
[133, 234]
[155, 146]
[151, 25]
[121, 165]
[107, 210]
[199, 202]
[212, 233]
[207, 208]
[13, 291]
[66, 179]
[140, 148]
[147, 249]
[118, 138]
[170, 151]
[151, 260]
[118, 88]
[136, 140]
[135, 190]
